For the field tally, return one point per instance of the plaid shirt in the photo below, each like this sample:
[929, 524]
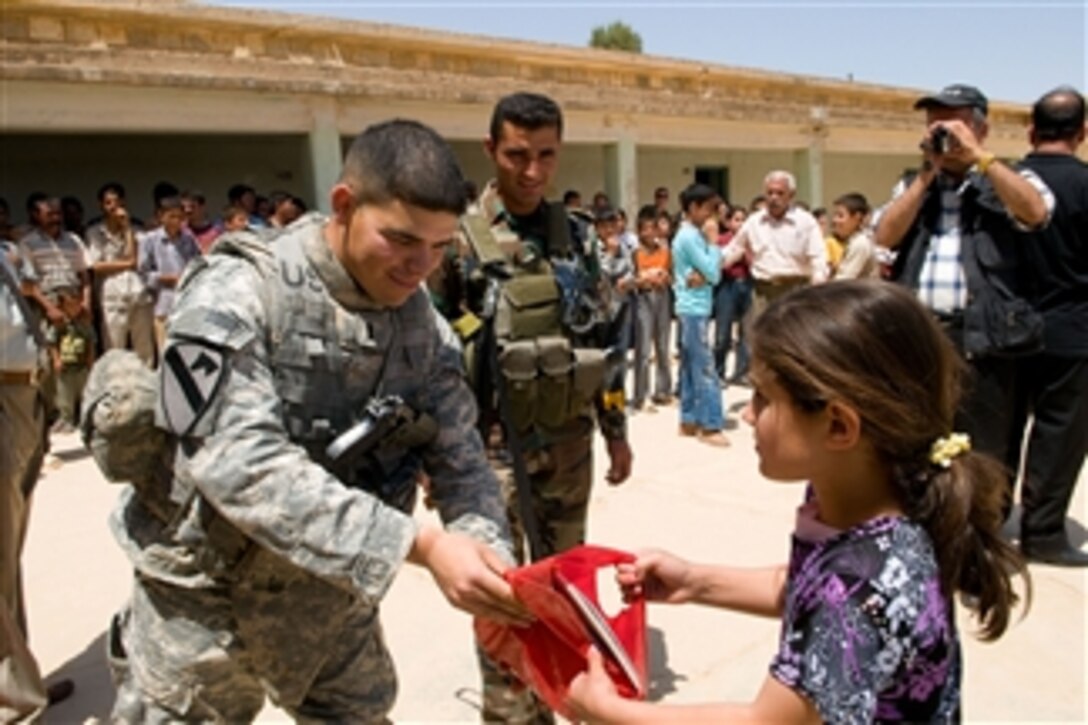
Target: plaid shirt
[942, 286]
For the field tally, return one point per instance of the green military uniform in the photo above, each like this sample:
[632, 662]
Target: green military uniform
[553, 382]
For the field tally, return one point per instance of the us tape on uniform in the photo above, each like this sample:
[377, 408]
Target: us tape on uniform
[191, 375]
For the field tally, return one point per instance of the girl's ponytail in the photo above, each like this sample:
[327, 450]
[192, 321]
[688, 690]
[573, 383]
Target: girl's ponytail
[959, 500]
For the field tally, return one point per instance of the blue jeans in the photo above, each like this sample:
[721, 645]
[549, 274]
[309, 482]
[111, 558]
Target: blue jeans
[732, 300]
[700, 396]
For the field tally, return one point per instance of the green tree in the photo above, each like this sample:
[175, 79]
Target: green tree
[616, 36]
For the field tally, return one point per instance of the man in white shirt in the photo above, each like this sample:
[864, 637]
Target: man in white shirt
[783, 243]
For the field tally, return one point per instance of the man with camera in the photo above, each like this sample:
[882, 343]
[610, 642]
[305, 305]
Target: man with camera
[954, 224]
[263, 553]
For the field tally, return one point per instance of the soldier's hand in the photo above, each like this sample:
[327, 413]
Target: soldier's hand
[620, 457]
[469, 574]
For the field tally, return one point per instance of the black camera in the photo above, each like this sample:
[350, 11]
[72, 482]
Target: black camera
[941, 140]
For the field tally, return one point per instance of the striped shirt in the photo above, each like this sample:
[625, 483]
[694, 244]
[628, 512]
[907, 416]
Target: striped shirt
[942, 286]
[55, 265]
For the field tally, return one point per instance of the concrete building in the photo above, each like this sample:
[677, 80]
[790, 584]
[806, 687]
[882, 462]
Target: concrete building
[145, 90]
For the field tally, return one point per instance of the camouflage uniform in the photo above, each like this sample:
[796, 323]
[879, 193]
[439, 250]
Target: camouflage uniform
[558, 460]
[266, 576]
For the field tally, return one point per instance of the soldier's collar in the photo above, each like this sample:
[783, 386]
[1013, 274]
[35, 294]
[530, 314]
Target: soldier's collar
[491, 206]
[341, 285]
[490, 203]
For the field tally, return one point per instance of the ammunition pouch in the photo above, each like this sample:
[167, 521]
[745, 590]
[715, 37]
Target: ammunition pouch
[547, 383]
[528, 307]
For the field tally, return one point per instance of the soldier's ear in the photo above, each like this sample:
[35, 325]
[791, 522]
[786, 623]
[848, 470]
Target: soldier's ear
[489, 148]
[342, 203]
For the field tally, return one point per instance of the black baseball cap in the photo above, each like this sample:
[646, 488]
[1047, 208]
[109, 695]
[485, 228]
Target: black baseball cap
[957, 95]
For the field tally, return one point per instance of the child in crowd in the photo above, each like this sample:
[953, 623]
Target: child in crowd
[72, 350]
[617, 273]
[652, 311]
[696, 268]
[834, 247]
[235, 218]
[164, 254]
[855, 388]
[848, 223]
[732, 301]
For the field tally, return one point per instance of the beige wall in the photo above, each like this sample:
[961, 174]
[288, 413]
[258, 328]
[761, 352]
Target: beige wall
[873, 176]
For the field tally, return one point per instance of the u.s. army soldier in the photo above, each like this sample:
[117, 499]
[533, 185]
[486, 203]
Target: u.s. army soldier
[260, 570]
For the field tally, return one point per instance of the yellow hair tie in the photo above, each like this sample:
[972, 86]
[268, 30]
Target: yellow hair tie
[945, 449]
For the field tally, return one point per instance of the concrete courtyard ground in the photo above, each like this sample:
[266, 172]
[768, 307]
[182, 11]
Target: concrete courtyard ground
[704, 503]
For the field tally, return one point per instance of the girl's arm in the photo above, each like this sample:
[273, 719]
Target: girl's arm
[661, 577]
[594, 699]
[754, 591]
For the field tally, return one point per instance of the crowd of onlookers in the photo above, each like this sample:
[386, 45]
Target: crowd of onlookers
[707, 268]
[109, 281]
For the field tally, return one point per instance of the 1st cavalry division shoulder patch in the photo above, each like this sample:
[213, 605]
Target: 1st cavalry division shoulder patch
[192, 373]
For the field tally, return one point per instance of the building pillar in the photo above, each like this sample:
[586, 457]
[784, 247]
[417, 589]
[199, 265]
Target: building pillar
[621, 175]
[326, 155]
[809, 162]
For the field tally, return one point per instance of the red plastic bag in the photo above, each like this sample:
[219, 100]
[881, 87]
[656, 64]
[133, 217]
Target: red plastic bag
[551, 652]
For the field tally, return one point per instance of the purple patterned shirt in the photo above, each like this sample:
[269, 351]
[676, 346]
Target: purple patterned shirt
[867, 635]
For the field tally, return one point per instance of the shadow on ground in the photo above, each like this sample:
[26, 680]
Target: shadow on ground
[662, 679]
[93, 696]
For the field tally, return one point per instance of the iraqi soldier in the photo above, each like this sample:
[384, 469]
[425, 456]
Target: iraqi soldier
[538, 363]
[305, 384]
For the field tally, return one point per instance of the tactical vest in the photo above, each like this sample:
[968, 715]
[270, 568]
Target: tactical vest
[326, 363]
[543, 311]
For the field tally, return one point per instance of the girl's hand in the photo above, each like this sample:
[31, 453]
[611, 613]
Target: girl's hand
[657, 576]
[591, 694]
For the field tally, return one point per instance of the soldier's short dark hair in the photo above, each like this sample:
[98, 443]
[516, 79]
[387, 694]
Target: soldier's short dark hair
[404, 161]
[1058, 115]
[696, 194]
[111, 187]
[530, 111]
[570, 195]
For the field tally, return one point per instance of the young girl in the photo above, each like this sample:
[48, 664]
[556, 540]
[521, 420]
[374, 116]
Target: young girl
[855, 388]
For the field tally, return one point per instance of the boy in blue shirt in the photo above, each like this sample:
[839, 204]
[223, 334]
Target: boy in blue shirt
[696, 267]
